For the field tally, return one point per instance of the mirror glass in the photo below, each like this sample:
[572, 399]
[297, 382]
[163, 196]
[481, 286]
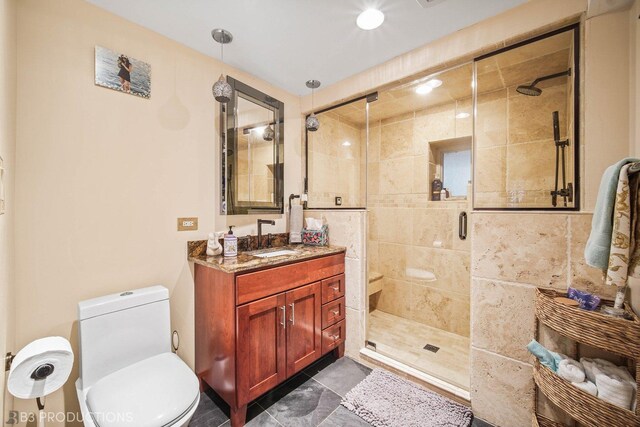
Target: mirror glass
[525, 137]
[252, 152]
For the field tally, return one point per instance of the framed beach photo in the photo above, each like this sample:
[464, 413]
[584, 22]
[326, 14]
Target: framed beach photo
[123, 73]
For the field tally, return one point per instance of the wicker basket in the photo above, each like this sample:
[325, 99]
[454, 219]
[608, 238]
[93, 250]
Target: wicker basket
[580, 405]
[540, 421]
[593, 328]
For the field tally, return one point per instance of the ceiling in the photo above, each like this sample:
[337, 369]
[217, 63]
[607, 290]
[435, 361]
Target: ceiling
[287, 42]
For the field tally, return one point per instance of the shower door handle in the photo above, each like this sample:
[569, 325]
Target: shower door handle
[462, 225]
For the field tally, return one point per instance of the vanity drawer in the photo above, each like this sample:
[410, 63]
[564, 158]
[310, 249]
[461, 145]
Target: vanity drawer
[333, 336]
[332, 288]
[332, 312]
[271, 281]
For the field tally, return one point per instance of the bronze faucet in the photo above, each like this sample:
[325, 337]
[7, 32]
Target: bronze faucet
[260, 222]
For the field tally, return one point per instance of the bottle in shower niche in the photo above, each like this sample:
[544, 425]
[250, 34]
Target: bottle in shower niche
[436, 188]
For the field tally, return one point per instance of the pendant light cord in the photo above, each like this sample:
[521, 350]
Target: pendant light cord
[222, 53]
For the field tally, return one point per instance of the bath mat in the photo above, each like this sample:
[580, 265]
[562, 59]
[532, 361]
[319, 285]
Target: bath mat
[386, 400]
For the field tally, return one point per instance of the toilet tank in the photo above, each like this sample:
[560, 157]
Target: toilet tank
[118, 330]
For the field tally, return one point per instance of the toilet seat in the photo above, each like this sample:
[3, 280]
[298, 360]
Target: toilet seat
[154, 392]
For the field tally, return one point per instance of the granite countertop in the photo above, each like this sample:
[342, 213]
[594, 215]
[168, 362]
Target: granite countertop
[245, 261]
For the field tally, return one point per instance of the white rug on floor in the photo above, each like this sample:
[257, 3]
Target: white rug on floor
[386, 400]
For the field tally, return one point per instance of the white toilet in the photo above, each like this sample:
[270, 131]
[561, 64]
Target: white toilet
[128, 374]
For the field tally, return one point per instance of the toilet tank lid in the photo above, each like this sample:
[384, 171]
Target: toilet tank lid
[121, 301]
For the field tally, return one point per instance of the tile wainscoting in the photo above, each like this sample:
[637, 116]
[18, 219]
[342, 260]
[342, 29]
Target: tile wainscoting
[512, 254]
[347, 228]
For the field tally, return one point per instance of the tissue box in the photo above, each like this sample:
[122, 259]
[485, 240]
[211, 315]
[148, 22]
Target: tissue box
[316, 237]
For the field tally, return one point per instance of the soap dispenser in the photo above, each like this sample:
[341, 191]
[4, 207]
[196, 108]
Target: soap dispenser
[230, 243]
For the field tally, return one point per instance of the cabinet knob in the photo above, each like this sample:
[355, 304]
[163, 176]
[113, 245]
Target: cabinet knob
[336, 312]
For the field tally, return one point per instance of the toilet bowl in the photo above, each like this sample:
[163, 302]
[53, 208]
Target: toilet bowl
[128, 374]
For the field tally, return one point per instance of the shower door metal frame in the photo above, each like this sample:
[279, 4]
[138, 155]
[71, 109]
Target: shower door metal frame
[575, 28]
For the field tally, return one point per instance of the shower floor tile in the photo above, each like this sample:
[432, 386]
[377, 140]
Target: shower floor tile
[404, 340]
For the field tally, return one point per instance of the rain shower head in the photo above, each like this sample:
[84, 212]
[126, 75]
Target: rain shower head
[529, 90]
[532, 90]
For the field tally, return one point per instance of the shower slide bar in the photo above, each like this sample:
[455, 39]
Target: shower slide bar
[566, 192]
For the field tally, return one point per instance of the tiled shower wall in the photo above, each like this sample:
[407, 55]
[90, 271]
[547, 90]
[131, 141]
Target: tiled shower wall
[515, 151]
[512, 254]
[404, 223]
[335, 168]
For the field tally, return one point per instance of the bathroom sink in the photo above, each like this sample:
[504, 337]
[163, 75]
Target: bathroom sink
[275, 253]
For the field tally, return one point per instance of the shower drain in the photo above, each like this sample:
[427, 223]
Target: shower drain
[431, 348]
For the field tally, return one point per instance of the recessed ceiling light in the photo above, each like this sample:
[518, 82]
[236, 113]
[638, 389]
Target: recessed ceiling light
[346, 144]
[434, 83]
[462, 115]
[424, 89]
[370, 19]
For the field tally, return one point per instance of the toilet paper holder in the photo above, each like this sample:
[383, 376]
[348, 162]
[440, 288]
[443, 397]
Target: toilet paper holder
[40, 373]
[8, 358]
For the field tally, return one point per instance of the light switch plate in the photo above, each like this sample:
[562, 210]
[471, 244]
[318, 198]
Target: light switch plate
[188, 224]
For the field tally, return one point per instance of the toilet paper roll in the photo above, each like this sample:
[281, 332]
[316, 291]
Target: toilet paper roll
[40, 368]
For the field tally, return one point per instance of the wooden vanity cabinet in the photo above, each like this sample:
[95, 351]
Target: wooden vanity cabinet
[256, 329]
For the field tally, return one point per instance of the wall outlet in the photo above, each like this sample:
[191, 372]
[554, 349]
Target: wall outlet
[338, 201]
[188, 224]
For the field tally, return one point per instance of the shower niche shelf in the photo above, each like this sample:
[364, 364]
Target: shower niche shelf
[613, 335]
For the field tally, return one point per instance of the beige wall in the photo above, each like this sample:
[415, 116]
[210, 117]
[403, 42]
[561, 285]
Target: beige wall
[103, 176]
[605, 98]
[7, 152]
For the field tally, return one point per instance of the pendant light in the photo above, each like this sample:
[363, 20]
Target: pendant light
[312, 124]
[268, 133]
[221, 89]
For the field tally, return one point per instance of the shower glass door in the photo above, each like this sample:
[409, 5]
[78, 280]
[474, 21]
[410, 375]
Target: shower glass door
[418, 192]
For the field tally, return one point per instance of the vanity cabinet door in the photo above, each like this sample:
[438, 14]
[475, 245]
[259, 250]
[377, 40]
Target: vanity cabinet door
[304, 327]
[261, 346]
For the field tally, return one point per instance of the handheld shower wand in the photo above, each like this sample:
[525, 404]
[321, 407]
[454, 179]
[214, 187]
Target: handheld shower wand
[567, 190]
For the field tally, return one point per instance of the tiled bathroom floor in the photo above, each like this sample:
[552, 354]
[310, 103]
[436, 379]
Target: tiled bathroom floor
[311, 398]
[404, 339]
